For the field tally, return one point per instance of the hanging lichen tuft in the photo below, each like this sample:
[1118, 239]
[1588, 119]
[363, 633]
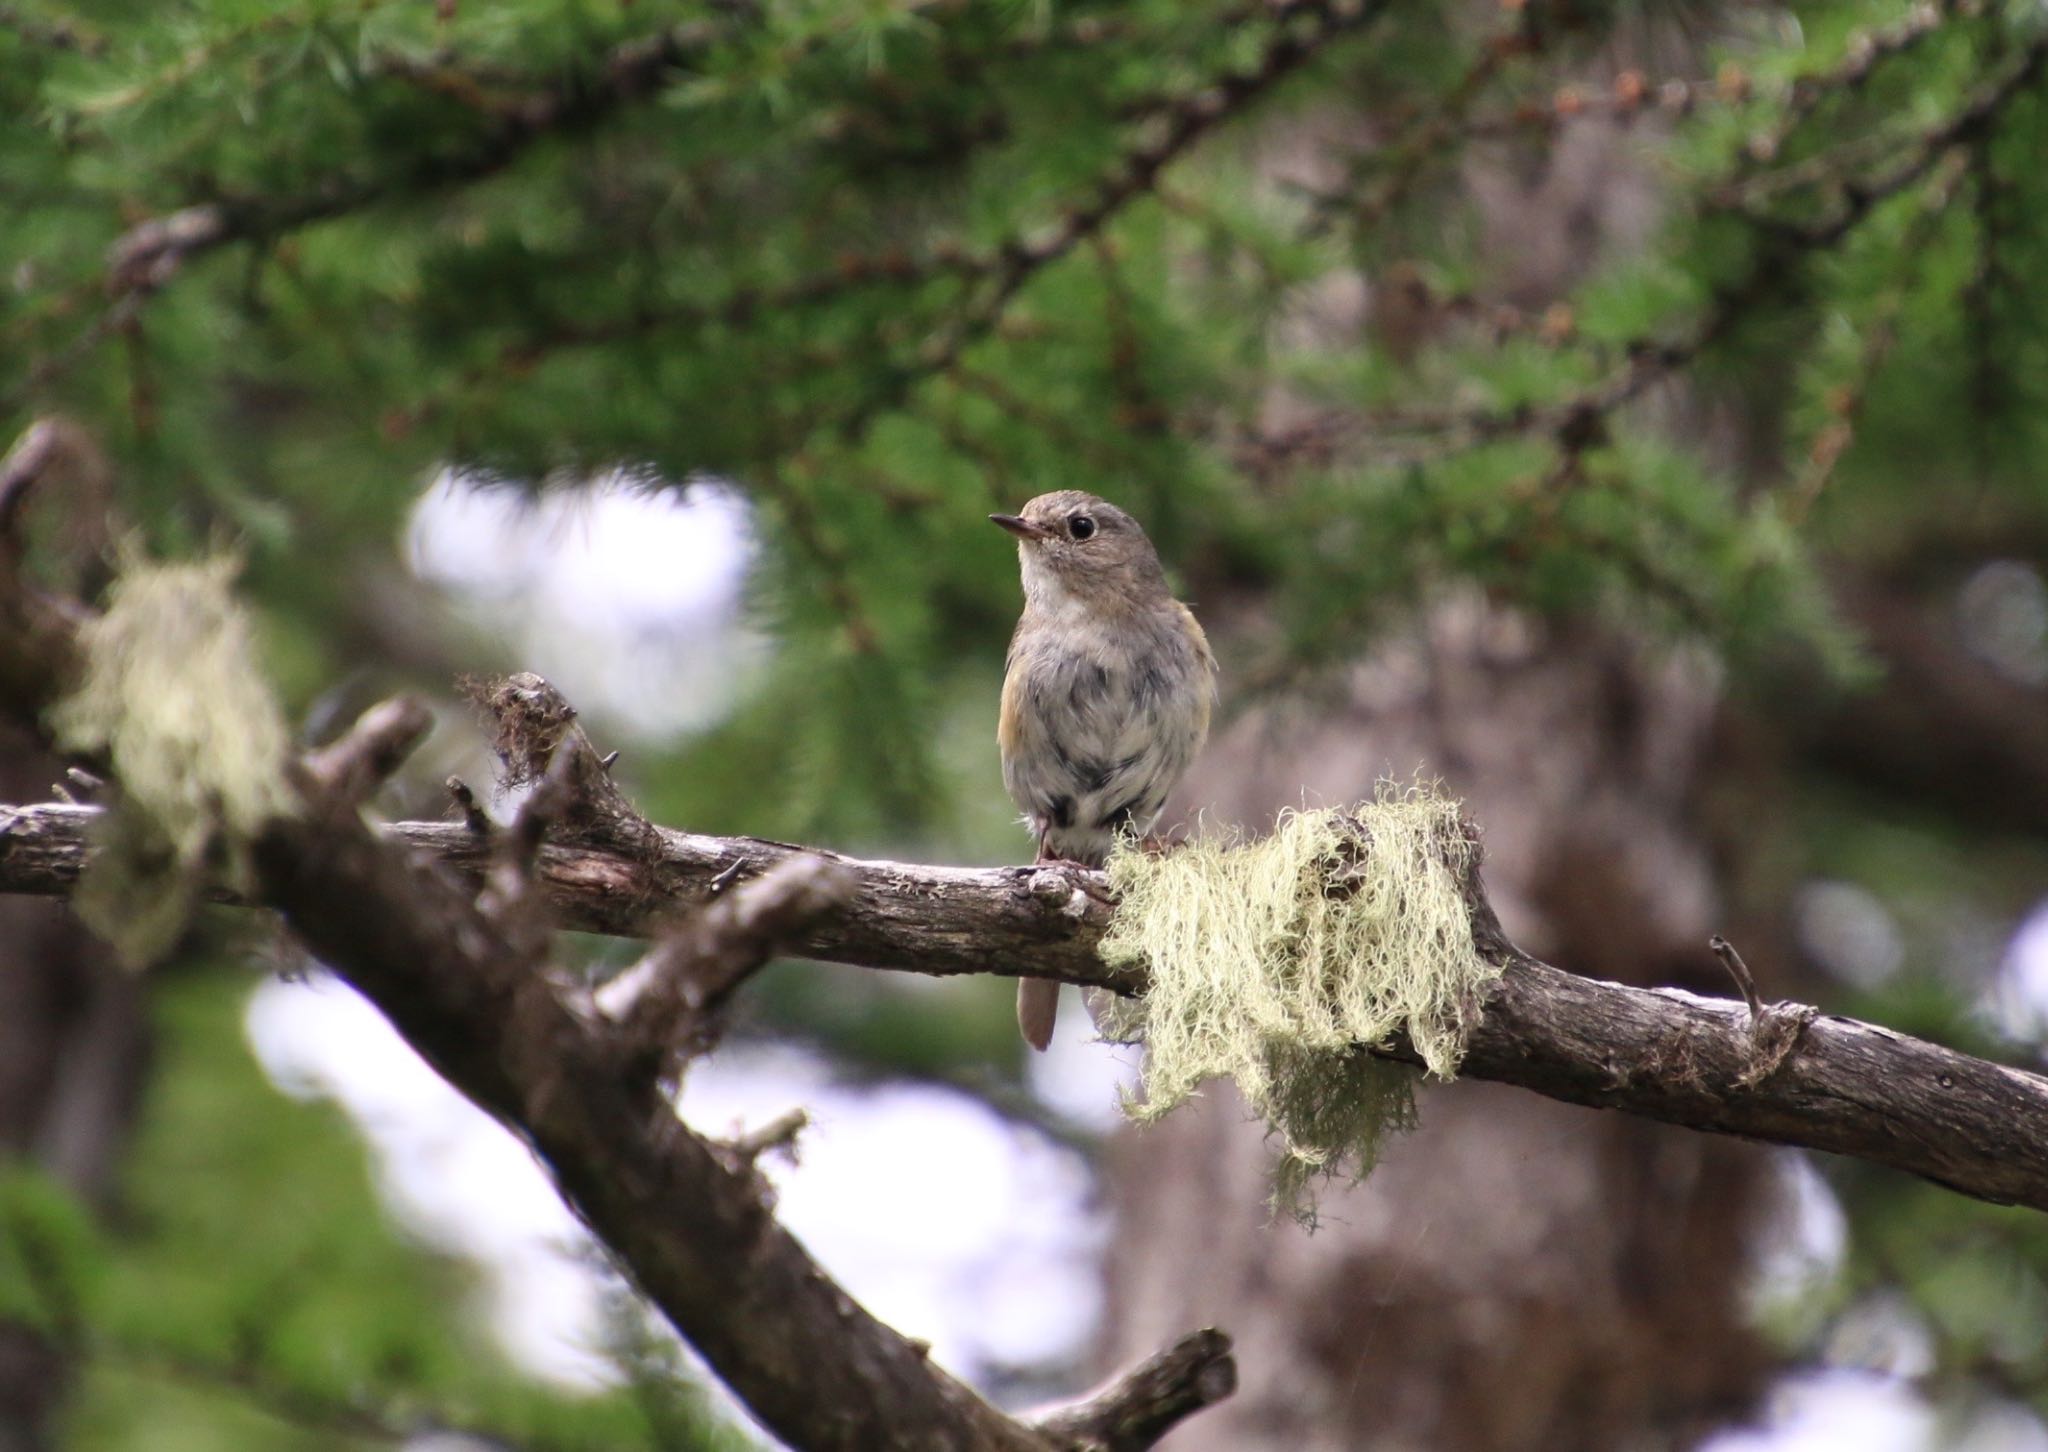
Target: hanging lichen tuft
[171, 696]
[1272, 961]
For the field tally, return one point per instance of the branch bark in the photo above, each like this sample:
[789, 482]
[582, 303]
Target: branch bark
[1793, 1076]
[1142, 1405]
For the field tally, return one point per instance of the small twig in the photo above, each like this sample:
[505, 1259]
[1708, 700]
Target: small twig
[1739, 971]
[148, 255]
[778, 1133]
[351, 767]
[51, 452]
[1775, 1029]
[25, 463]
[473, 815]
[1146, 1403]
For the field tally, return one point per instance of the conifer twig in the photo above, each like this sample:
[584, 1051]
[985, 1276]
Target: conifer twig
[1301, 31]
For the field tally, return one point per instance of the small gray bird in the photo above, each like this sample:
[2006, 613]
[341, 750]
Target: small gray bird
[1106, 697]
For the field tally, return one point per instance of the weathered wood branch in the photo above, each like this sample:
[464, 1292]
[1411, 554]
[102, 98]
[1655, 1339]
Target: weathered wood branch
[688, 1220]
[1141, 1406]
[1795, 1076]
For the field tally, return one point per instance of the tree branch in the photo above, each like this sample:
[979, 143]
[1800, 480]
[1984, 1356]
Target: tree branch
[364, 757]
[688, 1219]
[1795, 1077]
[670, 1003]
[1143, 1405]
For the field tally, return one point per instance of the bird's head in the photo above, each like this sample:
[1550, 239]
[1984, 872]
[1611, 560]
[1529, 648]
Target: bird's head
[1076, 549]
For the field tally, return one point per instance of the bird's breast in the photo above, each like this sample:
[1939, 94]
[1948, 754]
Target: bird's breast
[1099, 722]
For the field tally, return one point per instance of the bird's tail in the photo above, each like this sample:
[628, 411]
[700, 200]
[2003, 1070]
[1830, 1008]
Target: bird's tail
[1038, 1005]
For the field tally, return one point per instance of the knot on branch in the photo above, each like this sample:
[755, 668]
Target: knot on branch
[535, 735]
[1774, 1029]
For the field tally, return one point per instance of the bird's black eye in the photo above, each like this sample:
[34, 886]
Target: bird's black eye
[1080, 526]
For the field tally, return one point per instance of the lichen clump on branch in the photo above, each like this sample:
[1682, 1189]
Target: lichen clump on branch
[1273, 961]
[171, 694]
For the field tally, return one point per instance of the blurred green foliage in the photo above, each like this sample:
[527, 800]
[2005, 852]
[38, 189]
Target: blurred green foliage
[804, 246]
[250, 1293]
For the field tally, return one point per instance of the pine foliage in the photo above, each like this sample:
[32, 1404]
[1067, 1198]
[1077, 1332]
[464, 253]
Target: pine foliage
[887, 265]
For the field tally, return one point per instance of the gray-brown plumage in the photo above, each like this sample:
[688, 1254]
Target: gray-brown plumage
[1107, 694]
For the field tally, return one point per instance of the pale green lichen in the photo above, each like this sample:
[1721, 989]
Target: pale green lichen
[1272, 961]
[172, 697]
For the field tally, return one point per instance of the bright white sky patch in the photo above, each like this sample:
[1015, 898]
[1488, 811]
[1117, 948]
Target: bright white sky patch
[626, 595]
[944, 1220]
[2018, 999]
[1079, 1077]
[1837, 1411]
[1862, 1411]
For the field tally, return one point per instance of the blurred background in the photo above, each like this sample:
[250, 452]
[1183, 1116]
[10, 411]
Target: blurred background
[1633, 414]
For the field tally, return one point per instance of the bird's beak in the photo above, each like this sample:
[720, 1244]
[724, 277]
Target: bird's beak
[1018, 525]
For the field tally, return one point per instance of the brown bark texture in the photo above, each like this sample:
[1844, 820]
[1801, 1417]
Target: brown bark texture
[718, 906]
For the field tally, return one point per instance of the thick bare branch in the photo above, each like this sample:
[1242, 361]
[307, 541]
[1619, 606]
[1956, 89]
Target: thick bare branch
[1809, 1079]
[686, 1219]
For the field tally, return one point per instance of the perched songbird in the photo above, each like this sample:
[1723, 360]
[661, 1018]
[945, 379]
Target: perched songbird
[1107, 693]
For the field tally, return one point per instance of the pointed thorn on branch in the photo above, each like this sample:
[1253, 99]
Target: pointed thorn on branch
[727, 877]
[474, 818]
